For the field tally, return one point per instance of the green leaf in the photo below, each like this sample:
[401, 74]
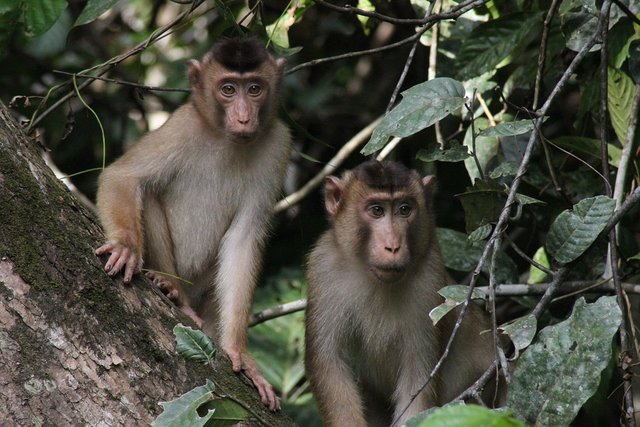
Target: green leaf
[486, 149]
[461, 415]
[526, 200]
[454, 295]
[40, 15]
[619, 99]
[93, 9]
[482, 203]
[578, 28]
[517, 127]
[573, 232]
[506, 168]
[421, 106]
[521, 331]
[492, 44]
[460, 254]
[480, 233]
[588, 146]
[556, 375]
[455, 153]
[226, 412]
[183, 411]
[536, 275]
[193, 344]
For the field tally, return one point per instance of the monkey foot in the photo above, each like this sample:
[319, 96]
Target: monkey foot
[172, 291]
[243, 362]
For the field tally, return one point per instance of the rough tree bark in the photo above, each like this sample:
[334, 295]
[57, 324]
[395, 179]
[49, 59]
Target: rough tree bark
[76, 347]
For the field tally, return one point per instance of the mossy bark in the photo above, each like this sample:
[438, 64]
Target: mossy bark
[76, 347]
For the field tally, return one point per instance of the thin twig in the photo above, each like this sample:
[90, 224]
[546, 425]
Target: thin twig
[453, 13]
[330, 167]
[542, 52]
[505, 213]
[107, 66]
[278, 311]
[125, 83]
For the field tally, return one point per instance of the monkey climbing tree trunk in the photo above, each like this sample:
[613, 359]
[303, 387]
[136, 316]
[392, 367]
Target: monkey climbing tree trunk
[77, 347]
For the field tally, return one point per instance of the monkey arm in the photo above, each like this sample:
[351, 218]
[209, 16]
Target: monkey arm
[333, 383]
[120, 200]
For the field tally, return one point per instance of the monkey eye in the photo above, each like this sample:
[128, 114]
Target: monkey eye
[227, 89]
[255, 89]
[405, 210]
[376, 211]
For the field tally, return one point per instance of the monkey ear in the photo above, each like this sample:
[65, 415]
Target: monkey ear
[333, 191]
[428, 186]
[194, 71]
[280, 63]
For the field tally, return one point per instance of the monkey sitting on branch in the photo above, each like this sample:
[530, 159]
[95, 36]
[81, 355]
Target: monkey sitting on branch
[194, 197]
[373, 278]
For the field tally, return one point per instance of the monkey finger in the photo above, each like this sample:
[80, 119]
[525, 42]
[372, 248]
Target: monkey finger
[111, 262]
[121, 260]
[131, 267]
[107, 247]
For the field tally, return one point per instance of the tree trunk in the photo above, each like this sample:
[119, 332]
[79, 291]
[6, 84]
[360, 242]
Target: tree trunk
[77, 347]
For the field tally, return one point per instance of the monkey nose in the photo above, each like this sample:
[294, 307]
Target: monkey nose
[393, 248]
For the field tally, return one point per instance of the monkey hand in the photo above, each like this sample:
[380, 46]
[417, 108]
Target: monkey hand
[243, 362]
[121, 256]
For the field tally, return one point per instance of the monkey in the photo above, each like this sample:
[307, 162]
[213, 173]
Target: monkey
[194, 197]
[373, 278]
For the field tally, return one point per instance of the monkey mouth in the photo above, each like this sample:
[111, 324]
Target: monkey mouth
[388, 273]
[243, 137]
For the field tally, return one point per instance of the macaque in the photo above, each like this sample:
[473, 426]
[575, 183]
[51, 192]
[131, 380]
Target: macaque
[194, 197]
[373, 279]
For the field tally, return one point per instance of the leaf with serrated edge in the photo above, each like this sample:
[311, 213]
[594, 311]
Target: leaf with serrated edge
[421, 106]
[193, 344]
[454, 153]
[558, 373]
[183, 411]
[573, 232]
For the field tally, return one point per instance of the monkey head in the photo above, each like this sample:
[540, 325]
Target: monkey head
[235, 88]
[381, 212]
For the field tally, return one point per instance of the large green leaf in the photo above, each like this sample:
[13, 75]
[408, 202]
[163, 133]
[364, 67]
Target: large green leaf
[619, 99]
[40, 15]
[574, 231]
[183, 411]
[492, 44]
[193, 344]
[482, 203]
[558, 373]
[460, 415]
[421, 106]
[93, 9]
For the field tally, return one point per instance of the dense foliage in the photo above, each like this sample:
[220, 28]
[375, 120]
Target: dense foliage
[526, 110]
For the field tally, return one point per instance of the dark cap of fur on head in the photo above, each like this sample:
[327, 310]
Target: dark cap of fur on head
[240, 54]
[384, 175]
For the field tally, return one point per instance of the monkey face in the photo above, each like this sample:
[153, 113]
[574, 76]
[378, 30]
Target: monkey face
[388, 219]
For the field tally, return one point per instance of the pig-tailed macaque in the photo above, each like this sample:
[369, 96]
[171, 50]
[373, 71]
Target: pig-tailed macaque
[194, 197]
[373, 278]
